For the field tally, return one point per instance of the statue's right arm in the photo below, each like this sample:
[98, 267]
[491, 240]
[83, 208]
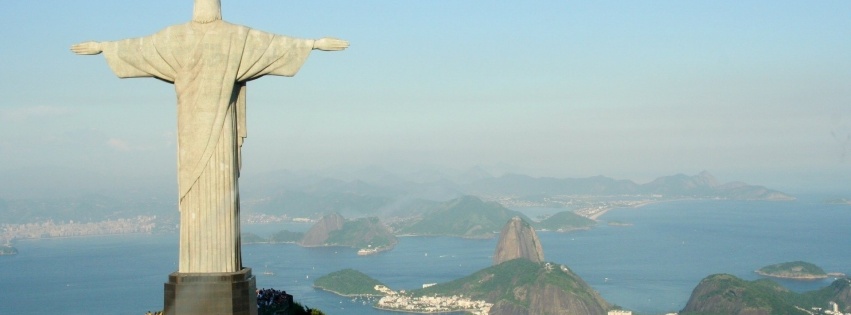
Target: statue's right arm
[87, 48]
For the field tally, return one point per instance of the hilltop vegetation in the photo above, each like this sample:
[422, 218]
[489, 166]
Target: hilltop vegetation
[727, 294]
[348, 282]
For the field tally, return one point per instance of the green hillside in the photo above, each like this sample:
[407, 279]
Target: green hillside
[793, 270]
[531, 288]
[348, 282]
[466, 216]
[362, 233]
[727, 294]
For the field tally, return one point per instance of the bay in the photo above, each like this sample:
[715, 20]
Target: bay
[650, 266]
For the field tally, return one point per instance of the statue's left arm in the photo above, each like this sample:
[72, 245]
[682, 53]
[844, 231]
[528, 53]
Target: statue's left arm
[270, 54]
[330, 44]
[87, 48]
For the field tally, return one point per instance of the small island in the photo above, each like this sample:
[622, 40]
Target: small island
[566, 221]
[8, 250]
[369, 235]
[350, 283]
[796, 270]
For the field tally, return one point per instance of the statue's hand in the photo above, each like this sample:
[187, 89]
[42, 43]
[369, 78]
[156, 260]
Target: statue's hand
[87, 48]
[330, 44]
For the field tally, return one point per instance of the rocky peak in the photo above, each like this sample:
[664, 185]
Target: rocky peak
[518, 240]
[321, 231]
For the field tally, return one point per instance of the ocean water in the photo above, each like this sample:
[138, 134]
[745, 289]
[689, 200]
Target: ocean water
[650, 266]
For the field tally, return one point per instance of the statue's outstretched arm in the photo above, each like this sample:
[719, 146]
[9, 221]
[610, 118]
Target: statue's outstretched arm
[87, 48]
[330, 44]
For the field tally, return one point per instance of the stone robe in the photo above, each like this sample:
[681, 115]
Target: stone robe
[208, 65]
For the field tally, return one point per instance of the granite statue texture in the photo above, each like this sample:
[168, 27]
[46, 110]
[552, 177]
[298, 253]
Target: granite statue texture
[209, 61]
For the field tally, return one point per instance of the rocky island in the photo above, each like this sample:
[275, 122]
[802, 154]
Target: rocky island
[368, 235]
[565, 221]
[796, 270]
[350, 283]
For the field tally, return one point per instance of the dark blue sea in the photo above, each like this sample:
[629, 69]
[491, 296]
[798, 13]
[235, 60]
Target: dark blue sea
[649, 267]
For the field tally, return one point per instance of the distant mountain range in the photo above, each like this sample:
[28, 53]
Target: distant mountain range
[312, 196]
[373, 192]
[467, 216]
[703, 185]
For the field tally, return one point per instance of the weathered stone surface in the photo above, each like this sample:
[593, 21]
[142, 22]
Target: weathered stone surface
[212, 293]
[518, 240]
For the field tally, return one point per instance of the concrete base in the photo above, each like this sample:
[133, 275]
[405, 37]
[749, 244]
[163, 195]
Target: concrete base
[211, 293]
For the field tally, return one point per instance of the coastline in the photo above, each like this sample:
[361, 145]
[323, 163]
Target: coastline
[596, 215]
[801, 277]
[792, 277]
[85, 236]
[348, 295]
[420, 312]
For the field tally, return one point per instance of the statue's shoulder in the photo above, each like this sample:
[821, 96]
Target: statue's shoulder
[192, 27]
[234, 27]
[177, 27]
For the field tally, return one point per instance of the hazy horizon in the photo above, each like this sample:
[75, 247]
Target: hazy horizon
[755, 92]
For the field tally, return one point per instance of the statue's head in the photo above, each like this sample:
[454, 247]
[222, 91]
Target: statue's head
[207, 11]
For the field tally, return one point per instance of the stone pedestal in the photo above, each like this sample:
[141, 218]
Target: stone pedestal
[211, 293]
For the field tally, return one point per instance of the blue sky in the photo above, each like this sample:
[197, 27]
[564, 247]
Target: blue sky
[757, 91]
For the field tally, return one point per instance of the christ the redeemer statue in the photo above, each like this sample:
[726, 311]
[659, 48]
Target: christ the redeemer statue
[209, 62]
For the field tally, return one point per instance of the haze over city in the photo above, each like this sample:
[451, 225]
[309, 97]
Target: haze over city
[755, 91]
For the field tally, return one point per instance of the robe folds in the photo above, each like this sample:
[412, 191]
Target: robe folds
[209, 65]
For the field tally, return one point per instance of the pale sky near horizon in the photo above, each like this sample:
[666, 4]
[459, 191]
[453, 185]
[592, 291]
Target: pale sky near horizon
[754, 91]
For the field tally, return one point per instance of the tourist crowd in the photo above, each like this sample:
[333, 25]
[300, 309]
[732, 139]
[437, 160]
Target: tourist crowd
[273, 298]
